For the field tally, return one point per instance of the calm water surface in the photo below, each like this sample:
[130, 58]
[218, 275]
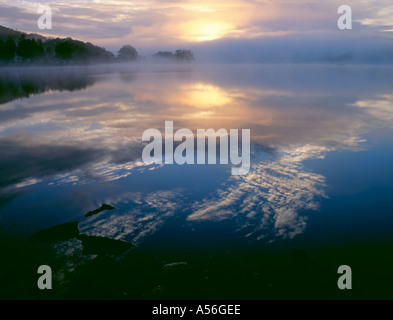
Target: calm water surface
[318, 195]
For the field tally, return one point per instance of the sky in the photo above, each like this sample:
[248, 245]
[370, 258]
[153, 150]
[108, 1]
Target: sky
[170, 24]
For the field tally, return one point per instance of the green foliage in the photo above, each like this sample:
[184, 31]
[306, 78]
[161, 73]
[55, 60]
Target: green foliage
[29, 48]
[16, 46]
[7, 49]
[77, 50]
[71, 49]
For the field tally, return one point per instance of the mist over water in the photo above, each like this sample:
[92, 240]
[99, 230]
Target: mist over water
[71, 141]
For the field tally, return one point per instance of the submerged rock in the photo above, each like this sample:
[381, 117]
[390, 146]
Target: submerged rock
[102, 208]
[60, 232]
[102, 245]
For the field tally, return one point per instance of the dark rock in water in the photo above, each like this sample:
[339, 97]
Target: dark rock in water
[60, 232]
[101, 245]
[102, 208]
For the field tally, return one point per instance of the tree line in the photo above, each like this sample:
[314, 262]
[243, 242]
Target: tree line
[63, 51]
[51, 50]
[183, 55]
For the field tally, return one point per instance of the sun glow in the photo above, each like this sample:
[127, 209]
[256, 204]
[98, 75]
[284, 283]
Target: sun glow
[207, 96]
[202, 30]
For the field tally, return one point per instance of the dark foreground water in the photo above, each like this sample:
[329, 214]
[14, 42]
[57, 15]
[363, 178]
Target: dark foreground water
[319, 193]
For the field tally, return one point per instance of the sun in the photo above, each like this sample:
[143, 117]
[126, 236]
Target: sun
[204, 95]
[202, 30]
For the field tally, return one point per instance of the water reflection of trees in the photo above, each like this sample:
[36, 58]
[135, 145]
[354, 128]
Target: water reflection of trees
[15, 84]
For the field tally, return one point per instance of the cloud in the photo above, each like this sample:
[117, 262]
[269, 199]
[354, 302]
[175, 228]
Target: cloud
[380, 108]
[378, 14]
[173, 23]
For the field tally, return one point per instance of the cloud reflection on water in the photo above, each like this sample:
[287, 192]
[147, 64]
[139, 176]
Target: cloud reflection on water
[270, 199]
[81, 137]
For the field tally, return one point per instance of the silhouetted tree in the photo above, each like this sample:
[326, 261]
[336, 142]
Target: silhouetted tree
[127, 53]
[27, 48]
[179, 55]
[40, 48]
[77, 50]
[70, 49]
[7, 49]
[185, 55]
[164, 54]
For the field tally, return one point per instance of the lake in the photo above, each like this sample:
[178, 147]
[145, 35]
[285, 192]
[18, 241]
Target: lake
[318, 194]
